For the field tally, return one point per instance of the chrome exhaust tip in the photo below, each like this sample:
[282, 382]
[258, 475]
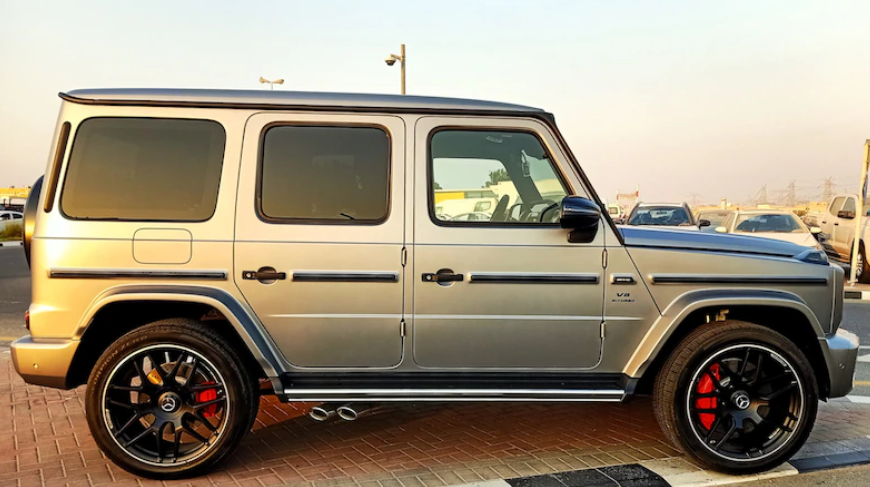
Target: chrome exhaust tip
[352, 412]
[323, 412]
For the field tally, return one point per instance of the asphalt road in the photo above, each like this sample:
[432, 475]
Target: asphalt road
[15, 297]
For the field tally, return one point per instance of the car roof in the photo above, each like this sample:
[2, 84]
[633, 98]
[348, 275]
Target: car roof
[765, 212]
[278, 99]
[669, 205]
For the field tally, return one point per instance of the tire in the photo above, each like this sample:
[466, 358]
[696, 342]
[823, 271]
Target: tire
[150, 420]
[863, 266]
[710, 396]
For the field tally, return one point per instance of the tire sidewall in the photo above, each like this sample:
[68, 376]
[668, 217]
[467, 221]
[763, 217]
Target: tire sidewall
[238, 391]
[778, 344]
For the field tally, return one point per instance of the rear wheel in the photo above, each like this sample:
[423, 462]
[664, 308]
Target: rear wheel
[737, 397]
[862, 273]
[169, 400]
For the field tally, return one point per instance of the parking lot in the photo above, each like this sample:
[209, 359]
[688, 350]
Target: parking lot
[44, 437]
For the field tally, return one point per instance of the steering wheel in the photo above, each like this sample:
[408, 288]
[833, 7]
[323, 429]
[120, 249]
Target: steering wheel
[548, 208]
[499, 214]
[524, 215]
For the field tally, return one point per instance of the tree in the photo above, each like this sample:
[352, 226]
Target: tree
[435, 185]
[496, 176]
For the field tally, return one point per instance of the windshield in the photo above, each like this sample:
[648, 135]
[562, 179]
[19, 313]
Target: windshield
[660, 215]
[771, 223]
[714, 217]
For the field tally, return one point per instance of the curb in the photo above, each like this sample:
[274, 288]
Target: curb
[16, 243]
[862, 295]
[674, 472]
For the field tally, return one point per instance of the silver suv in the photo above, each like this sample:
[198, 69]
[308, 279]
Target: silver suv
[191, 249]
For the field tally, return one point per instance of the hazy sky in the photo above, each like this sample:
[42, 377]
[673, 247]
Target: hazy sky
[680, 97]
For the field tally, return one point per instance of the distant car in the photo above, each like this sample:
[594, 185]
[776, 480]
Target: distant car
[616, 213]
[775, 224]
[475, 216]
[668, 215]
[10, 215]
[715, 217]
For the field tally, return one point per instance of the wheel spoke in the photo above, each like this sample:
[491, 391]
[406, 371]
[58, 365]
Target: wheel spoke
[176, 445]
[773, 378]
[758, 369]
[707, 395]
[138, 437]
[743, 365]
[714, 380]
[205, 387]
[140, 372]
[774, 395]
[196, 436]
[778, 426]
[123, 405]
[197, 416]
[727, 435]
[208, 403]
[713, 429]
[172, 373]
[126, 388]
[159, 434]
[129, 423]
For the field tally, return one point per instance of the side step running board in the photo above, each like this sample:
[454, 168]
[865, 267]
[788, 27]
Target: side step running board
[447, 395]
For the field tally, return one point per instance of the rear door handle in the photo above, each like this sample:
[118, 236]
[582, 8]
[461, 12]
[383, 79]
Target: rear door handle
[264, 274]
[837, 224]
[443, 277]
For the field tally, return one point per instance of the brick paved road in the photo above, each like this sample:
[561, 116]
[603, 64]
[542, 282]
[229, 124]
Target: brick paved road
[44, 440]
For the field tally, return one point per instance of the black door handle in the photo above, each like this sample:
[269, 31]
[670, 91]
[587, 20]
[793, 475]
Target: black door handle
[837, 224]
[443, 277]
[264, 274]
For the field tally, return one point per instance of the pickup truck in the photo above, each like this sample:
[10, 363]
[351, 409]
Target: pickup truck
[838, 226]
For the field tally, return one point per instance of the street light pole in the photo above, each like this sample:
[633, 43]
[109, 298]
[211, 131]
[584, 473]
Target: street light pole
[271, 83]
[391, 60]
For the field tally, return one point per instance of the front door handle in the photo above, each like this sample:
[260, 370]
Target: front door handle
[442, 276]
[264, 274]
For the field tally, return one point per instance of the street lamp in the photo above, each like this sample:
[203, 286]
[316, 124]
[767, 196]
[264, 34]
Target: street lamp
[271, 83]
[391, 60]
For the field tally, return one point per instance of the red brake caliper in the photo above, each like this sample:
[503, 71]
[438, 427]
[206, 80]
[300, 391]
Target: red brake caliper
[205, 396]
[705, 386]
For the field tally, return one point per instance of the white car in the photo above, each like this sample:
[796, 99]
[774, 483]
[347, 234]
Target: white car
[775, 224]
[664, 215]
[7, 217]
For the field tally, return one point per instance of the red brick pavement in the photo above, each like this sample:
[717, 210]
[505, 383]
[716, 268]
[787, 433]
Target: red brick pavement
[44, 440]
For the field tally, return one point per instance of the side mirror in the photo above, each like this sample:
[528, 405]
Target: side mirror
[815, 230]
[704, 223]
[848, 215]
[721, 230]
[581, 216]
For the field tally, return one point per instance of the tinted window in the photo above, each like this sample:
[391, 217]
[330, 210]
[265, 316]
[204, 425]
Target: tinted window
[849, 205]
[836, 205]
[338, 174]
[483, 176]
[775, 223]
[144, 169]
[660, 215]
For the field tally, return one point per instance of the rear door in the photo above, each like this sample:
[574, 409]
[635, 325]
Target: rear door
[504, 290]
[844, 228]
[320, 233]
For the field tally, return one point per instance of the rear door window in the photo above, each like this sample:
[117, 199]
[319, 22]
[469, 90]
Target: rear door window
[144, 169]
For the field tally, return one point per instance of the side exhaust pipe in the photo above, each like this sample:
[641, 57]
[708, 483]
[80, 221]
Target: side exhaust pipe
[352, 412]
[323, 412]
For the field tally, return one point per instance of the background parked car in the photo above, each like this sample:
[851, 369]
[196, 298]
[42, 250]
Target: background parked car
[668, 215]
[838, 225]
[8, 218]
[616, 213]
[715, 217]
[775, 224]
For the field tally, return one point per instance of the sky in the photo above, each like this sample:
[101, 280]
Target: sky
[689, 100]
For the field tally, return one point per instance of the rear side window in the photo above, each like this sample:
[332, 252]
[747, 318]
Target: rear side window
[324, 174]
[145, 169]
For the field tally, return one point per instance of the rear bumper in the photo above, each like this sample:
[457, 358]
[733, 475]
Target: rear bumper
[841, 356]
[43, 363]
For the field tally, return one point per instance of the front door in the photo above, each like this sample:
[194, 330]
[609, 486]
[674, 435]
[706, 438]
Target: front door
[320, 236]
[496, 283]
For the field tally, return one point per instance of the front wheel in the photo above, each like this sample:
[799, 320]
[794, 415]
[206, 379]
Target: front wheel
[736, 397]
[169, 400]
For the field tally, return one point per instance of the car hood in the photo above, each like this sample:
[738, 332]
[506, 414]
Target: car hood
[713, 242]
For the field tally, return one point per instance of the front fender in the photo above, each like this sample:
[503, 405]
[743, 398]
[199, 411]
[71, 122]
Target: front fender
[249, 329]
[681, 307]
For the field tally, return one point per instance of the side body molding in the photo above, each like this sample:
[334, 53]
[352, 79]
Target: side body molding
[245, 324]
[660, 332]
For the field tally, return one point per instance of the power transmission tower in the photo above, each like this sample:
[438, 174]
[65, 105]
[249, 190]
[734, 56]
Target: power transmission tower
[695, 199]
[828, 190]
[789, 194]
[761, 196]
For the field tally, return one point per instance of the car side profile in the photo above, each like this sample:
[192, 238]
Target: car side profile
[192, 249]
[667, 215]
[776, 224]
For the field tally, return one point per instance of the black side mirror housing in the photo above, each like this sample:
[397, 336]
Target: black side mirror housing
[582, 216]
[848, 215]
[703, 223]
